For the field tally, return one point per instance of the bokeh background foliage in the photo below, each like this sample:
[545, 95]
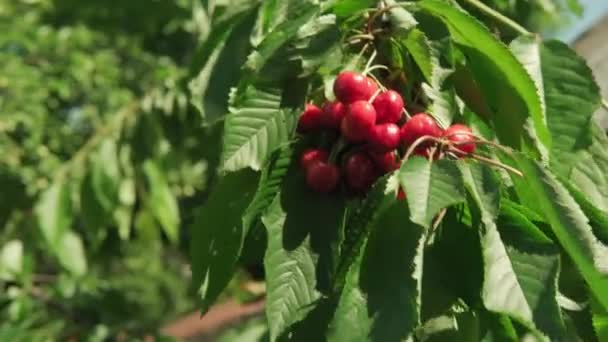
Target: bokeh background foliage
[110, 118]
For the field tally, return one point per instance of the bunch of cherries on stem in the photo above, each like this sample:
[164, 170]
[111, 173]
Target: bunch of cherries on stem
[372, 122]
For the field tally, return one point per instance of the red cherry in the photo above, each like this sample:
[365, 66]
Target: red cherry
[462, 138]
[322, 177]
[360, 172]
[351, 86]
[386, 162]
[359, 121]
[312, 155]
[385, 137]
[401, 195]
[373, 87]
[310, 118]
[333, 113]
[420, 125]
[389, 106]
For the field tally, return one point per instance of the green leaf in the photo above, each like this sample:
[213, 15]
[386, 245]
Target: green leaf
[381, 298]
[509, 89]
[228, 44]
[346, 8]
[401, 20]
[54, 213]
[590, 173]
[162, 202]
[570, 226]
[11, 260]
[598, 218]
[301, 255]
[317, 47]
[94, 215]
[71, 254]
[270, 183]
[500, 328]
[358, 228]
[521, 264]
[430, 186]
[217, 237]
[105, 175]
[571, 95]
[443, 100]
[282, 34]
[436, 325]
[417, 44]
[600, 320]
[527, 50]
[255, 127]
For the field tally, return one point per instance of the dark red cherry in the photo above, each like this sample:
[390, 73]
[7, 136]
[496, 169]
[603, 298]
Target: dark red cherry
[310, 119]
[385, 137]
[462, 137]
[389, 107]
[360, 172]
[333, 113]
[386, 162]
[322, 177]
[351, 86]
[358, 122]
[312, 155]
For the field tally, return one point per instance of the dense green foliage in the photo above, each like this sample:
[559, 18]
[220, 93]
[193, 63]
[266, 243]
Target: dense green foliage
[476, 252]
[136, 133]
[89, 174]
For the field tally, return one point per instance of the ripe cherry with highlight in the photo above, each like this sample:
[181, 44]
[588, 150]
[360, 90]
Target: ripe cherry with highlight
[462, 137]
[351, 86]
[310, 118]
[333, 113]
[322, 177]
[385, 137]
[420, 125]
[389, 106]
[359, 121]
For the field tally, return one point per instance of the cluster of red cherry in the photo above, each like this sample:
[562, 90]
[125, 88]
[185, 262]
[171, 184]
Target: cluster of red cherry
[374, 121]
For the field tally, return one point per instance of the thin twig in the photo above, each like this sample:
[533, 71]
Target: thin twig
[497, 164]
[370, 61]
[371, 99]
[498, 16]
[380, 85]
[605, 104]
[418, 142]
[438, 219]
[375, 67]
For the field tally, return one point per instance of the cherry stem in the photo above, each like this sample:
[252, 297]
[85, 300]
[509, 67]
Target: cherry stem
[417, 142]
[380, 85]
[371, 99]
[359, 37]
[407, 114]
[380, 11]
[370, 61]
[375, 67]
[479, 140]
[496, 163]
[438, 219]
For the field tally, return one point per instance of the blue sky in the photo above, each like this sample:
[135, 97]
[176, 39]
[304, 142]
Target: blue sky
[594, 11]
